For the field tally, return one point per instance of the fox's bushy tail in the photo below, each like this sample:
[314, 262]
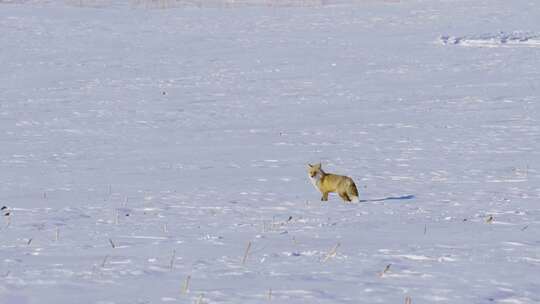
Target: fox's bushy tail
[353, 193]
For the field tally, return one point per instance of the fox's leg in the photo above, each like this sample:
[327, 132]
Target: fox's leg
[324, 196]
[344, 196]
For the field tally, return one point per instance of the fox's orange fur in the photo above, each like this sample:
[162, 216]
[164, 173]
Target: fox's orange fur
[325, 182]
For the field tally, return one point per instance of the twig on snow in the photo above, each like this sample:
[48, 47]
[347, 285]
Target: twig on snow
[331, 253]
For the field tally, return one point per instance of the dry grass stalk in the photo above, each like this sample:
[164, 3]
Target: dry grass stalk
[332, 253]
[57, 234]
[270, 294]
[173, 257]
[246, 253]
[104, 261]
[386, 269]
[186, 285]
[408, 300]
[112, 243]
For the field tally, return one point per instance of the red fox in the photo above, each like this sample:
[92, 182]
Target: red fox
[325, 182]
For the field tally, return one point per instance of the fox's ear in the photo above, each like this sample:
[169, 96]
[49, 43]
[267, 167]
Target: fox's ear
[310, 165]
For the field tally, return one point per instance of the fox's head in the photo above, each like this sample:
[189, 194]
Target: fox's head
[313, 170]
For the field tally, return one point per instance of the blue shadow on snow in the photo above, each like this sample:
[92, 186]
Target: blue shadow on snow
[390, 198]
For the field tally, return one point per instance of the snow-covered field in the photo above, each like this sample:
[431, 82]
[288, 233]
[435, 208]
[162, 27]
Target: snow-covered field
[146, 147]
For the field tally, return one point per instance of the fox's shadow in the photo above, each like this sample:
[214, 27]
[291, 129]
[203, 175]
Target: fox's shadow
[390, 198]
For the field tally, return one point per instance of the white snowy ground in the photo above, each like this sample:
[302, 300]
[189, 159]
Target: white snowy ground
[186, 131]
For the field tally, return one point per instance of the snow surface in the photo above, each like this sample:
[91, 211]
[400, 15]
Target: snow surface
[179, 136]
